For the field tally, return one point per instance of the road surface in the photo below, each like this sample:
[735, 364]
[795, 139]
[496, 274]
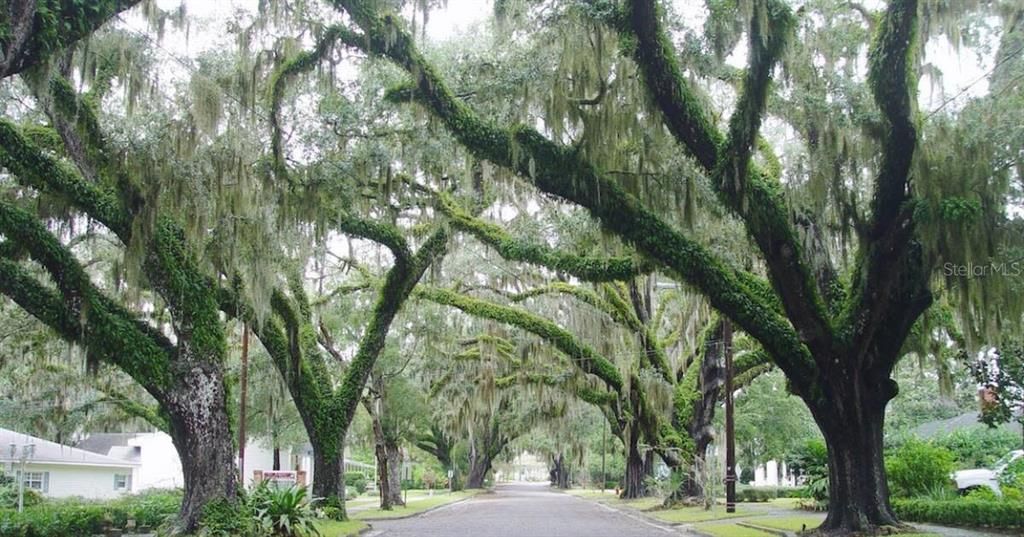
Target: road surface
[523, 510]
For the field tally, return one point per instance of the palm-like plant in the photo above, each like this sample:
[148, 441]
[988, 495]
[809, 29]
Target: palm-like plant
[283, 512]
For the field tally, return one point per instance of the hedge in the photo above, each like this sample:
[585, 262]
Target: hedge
[61, 518]
[962, 512]
[764, 494]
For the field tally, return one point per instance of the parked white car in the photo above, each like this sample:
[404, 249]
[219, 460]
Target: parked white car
[985, 477]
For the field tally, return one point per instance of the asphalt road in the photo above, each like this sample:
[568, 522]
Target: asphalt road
[522, 510]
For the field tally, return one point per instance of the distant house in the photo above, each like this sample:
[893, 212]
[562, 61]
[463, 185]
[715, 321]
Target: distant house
[156, 460]
[964, 422]
[157, 465]
[59, 471]
[160, 467]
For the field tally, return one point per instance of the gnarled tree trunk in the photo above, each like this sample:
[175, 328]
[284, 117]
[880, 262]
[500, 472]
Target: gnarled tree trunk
[858, 492]
[559, 472]
[199, 428]
[329, 473]
[633, 485]
[479, 465]
[393, 454]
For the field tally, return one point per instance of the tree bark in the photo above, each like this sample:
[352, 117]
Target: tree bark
[393, 454]
[633, 485]
[383, 482]
[858, 491]
[199, 428]
[479, 465]
[329, 476]
[559, 472]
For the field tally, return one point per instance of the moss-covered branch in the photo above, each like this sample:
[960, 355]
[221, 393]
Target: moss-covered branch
[151, 414]
[890, 282]
[892, 82]
[33, 30]
[563, 172]
[583, 267]
[749, 192]
[399, 283]
[302, 63]
[588, 360]
[77, 311]
[34, 168]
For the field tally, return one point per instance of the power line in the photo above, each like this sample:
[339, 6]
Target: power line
[1005, 59]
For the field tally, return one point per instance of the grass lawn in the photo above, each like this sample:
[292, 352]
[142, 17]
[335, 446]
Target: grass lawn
[415, 506]
[592, 493]
[698, 514]
[640, 504]
[609, 497]
[788, 523]
[731, 530]
[786, 503]
[334, 528]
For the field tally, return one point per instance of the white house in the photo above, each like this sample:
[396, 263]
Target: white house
[60, 471]
[156, 463]
[156, 460]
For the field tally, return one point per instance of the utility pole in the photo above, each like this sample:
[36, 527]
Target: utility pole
[730, 425]
[244, 382]
[604, 436]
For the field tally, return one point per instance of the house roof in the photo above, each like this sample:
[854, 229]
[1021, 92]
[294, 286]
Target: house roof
[103, 442]
[52, 452]
[968, 420]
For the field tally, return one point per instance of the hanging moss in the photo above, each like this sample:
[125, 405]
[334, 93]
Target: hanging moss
[34, 168]
[588, 360]
[584, 268]
[81, 313]
[560, 171]
[55, 25]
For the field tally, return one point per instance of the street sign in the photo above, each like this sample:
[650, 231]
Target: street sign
[281, 479]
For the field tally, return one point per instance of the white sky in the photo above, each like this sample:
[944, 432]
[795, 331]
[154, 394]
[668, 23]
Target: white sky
[962, 69]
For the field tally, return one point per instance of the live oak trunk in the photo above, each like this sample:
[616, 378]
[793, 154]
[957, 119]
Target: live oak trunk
[633, 485]
[383, 483]
[853, 430]
[559, 472]
[201, 434]
[393, 453]
[328, 476]
[479, 465]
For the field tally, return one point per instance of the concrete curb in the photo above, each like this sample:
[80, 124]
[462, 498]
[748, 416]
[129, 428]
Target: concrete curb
[419, 513]
[773, 531]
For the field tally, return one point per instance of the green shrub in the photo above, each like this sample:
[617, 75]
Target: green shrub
[810, 461]
[9, 497]
[916, 468]
[1013, 475]
[765, 494]
[1013, 494]
[982, 494]
[59, 518]
[283, 512]
[356, 480]
[223, 518]
[962, 512]
[979, 447]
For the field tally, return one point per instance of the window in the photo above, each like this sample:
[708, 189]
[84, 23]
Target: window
[37, 481]
[122, 482]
